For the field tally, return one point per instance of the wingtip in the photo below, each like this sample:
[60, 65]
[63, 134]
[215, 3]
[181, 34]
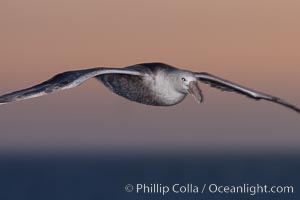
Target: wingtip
[287, 104]
[297, 109]
[3, 102]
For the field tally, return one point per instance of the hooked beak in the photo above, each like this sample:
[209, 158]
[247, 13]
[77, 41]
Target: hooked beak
[195, 91]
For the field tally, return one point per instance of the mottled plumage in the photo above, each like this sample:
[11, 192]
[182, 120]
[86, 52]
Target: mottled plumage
[154, 84]
[139, 88]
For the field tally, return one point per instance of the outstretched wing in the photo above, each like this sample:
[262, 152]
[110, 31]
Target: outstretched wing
[62, 81]
[230, 86]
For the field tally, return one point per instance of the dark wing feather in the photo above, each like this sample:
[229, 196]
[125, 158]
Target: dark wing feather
[225, 85]
[62, 81]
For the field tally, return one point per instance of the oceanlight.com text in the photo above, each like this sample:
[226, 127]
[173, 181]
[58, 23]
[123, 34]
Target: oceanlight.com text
[164, 189]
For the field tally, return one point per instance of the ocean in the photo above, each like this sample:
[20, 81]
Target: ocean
[101, 177]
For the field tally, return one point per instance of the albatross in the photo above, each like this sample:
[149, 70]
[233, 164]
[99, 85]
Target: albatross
[155, 84]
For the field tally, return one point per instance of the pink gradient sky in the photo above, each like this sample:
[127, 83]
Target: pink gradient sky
[254, 43]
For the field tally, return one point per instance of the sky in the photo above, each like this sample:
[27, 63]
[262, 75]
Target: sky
[254, 43]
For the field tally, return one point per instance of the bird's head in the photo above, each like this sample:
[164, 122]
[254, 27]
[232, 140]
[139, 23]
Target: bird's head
[187, 83]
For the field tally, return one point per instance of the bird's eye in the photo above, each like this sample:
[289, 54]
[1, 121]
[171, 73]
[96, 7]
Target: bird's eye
[183, 79]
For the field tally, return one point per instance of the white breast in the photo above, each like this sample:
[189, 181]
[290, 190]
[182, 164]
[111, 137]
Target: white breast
[161, 84]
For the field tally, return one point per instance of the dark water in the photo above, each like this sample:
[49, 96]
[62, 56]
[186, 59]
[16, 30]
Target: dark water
[85, 177]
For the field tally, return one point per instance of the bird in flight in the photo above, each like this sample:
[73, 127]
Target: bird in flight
[155, 84]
